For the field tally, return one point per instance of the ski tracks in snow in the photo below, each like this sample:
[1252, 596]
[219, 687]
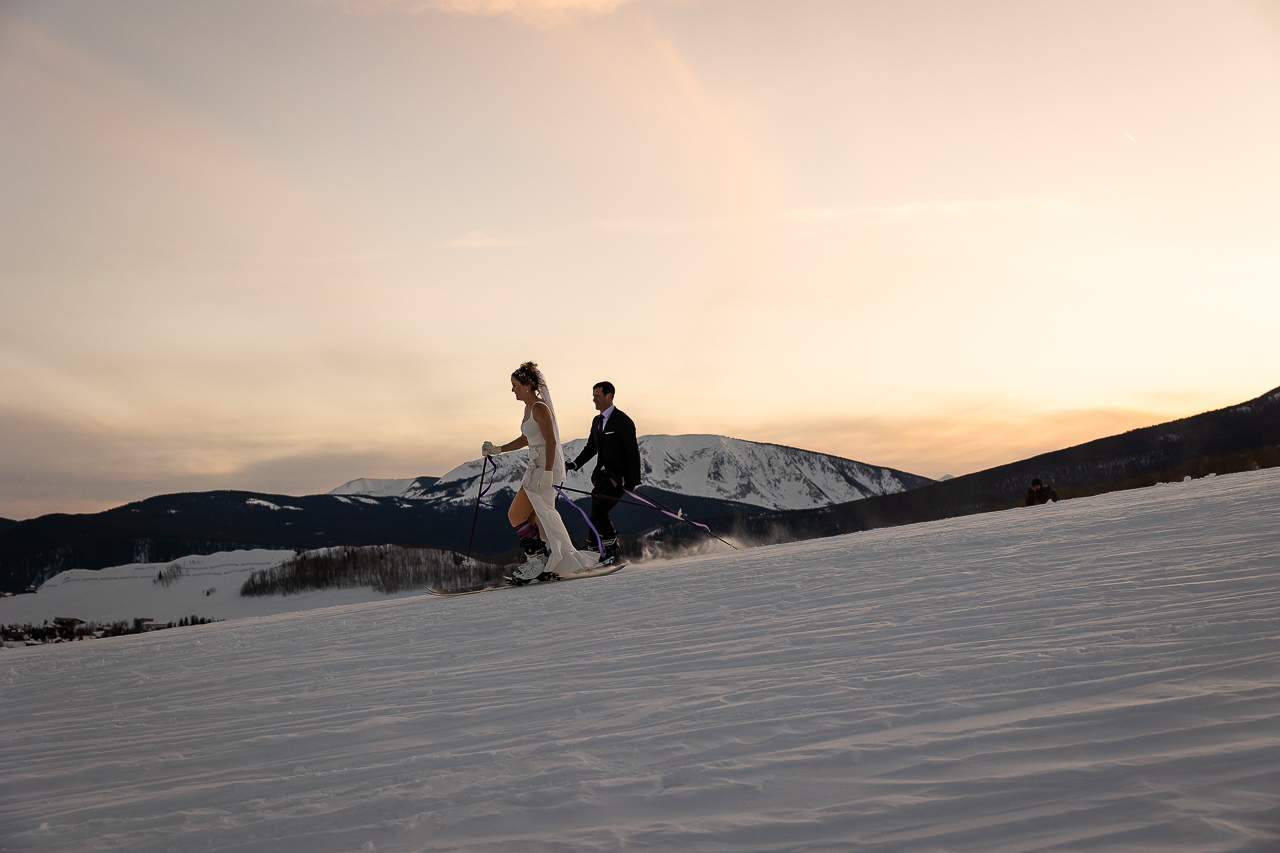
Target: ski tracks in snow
[1098, 674]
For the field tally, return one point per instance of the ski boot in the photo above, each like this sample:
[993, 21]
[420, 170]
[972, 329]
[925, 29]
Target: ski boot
[535, 556]
[610, 549]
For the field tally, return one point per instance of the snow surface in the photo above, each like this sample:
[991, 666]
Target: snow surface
[709, 466]
[1100, 674]
[207, 586]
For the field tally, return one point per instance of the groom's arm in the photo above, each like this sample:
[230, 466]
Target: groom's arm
[631, 447]
[589, 450]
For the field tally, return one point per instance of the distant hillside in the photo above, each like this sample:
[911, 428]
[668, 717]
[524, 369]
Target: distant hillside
[167, 527]
[1241, 437]
[705, 476]
[6, 523]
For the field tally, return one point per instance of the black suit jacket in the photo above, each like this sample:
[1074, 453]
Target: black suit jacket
[617, 450]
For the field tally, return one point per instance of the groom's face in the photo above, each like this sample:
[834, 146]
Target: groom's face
[601, 399]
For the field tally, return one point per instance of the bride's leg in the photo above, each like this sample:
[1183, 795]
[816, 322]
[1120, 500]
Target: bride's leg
[521, 510]
[525, 521]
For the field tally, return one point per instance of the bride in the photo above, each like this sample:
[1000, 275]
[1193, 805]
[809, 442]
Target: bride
[533, 513]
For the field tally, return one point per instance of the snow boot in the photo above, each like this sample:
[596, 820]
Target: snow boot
[535, 554]
[610, 556]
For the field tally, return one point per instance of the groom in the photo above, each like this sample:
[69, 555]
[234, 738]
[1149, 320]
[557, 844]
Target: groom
[613, 439]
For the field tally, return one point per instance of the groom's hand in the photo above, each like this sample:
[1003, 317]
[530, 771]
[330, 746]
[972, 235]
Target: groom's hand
[571, 466]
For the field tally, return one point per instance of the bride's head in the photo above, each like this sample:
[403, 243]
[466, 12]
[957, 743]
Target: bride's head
[524, 383]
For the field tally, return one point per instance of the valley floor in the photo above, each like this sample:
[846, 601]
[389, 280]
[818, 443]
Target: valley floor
[1098, 674]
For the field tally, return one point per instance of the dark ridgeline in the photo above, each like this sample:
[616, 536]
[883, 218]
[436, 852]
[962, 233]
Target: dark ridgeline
[164, 528]
[1238, 438]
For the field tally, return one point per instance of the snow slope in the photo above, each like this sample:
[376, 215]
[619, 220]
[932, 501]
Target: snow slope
[208, 587]
[708, 466]
[1095, 675]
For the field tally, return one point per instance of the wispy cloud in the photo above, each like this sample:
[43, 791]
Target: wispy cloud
[341, 259]
[660, 226]
[1057, 205]
[538, 12]
[818, 216]
[480, 240]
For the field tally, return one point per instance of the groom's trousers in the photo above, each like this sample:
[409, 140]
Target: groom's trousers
[602, 506]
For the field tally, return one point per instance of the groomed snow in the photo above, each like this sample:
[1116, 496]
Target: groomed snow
[1099, 674]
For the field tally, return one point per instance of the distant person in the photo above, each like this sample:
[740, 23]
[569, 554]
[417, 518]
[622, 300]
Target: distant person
[613, 442]
[1039, 493]
[533, 514]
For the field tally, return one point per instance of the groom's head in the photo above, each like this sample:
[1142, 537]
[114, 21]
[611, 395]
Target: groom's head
[602, 395]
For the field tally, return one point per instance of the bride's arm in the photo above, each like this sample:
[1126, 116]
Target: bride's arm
[491, 449]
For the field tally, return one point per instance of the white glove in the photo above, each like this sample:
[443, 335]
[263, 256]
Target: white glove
[545, 481]
[490, 449]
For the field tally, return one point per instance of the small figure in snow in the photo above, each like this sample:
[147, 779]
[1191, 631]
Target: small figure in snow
[613, 442]
[1039, 493]
[533, 513]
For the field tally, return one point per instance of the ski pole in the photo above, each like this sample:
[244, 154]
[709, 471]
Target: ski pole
[615, 499]
[587, 518]
[476, 514]
[679, 516]
[647, 503]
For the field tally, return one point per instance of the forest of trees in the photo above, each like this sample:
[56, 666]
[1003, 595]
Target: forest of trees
[66, 630]
[384, 568]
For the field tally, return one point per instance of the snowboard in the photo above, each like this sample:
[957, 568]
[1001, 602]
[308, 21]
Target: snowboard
[597, 572]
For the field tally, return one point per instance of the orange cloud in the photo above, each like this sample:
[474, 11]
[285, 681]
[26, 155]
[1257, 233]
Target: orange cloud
[538, 12]
[959, 442]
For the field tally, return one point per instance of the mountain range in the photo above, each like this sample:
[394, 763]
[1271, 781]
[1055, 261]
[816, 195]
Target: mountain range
[739, 488]
[704, 476]
[768, 476]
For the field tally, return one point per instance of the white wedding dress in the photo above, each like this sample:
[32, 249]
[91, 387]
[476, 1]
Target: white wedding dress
[564, 557]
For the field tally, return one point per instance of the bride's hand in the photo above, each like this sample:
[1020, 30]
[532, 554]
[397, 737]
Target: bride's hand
[545, 481]
[489, 449]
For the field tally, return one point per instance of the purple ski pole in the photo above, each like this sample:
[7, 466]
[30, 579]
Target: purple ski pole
[476, 513]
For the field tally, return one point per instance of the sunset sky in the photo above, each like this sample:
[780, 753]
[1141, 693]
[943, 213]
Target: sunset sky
[278, 244]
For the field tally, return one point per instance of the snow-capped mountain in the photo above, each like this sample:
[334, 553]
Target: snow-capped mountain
[382, 488]
[710, 466]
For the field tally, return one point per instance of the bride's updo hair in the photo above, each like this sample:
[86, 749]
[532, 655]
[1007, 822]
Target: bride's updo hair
[527, 374]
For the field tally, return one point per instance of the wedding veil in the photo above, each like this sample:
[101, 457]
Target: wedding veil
[557, 467]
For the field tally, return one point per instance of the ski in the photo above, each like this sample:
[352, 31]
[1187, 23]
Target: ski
[595, 572]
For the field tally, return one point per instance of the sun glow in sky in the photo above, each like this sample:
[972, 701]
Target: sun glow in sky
[277, 245]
